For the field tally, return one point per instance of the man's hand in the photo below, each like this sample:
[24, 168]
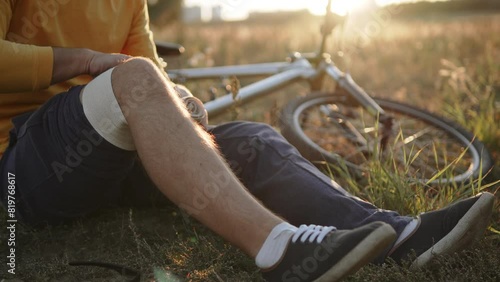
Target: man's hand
[72, 62]
[101, 62]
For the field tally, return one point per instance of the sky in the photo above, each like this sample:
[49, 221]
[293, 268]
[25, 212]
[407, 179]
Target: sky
[239, 9]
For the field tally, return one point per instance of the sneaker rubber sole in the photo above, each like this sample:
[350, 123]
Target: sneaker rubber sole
[469, 227]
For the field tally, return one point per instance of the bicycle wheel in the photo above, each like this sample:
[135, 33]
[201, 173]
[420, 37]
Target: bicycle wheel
[423, 146]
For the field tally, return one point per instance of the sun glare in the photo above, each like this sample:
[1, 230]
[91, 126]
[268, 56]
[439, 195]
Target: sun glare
[239, 9]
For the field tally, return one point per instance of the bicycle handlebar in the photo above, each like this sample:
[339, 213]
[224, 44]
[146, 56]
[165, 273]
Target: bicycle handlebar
[168, 49]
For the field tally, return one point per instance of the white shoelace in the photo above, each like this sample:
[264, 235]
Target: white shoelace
[312, 232]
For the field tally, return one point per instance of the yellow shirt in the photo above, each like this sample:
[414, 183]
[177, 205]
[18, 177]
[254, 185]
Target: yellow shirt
[29, 27]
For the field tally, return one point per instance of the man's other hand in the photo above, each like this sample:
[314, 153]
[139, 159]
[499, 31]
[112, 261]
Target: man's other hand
[194, 106]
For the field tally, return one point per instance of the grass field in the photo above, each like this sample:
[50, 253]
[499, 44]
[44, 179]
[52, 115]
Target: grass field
[450, 66]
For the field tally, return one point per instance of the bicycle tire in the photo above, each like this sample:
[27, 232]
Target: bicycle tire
[468, 159]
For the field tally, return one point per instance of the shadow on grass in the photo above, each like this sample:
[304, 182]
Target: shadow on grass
[162, 242]
[160, 239]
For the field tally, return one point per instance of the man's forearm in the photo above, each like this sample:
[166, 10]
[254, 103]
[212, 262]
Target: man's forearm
[70, 62]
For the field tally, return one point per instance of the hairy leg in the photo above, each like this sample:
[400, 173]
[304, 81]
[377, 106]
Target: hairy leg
[289, 185]
[183, 161]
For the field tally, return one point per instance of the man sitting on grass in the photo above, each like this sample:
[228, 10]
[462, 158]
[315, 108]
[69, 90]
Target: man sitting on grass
[96, 122]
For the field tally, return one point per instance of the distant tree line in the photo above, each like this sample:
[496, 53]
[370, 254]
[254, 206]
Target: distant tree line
[423, 8]
[278, 17]
[167, 11]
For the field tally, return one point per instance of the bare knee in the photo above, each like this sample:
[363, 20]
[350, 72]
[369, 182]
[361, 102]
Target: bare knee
[137, 79]
[137, 66]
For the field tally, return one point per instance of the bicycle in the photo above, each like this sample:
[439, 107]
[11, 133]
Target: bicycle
[348, 126]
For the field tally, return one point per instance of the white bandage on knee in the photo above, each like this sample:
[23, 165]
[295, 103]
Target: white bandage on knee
[103, 112]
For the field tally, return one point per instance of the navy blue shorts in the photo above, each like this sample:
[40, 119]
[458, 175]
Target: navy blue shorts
[64, 168]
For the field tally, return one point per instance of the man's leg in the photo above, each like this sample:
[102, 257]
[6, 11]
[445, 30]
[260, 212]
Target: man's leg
[182, 160]
[65, 169]
[185, 165]
[289, 185]
[292, 187]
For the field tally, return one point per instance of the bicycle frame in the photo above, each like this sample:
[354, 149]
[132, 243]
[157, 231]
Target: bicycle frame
[279, 74]
[313, 68]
